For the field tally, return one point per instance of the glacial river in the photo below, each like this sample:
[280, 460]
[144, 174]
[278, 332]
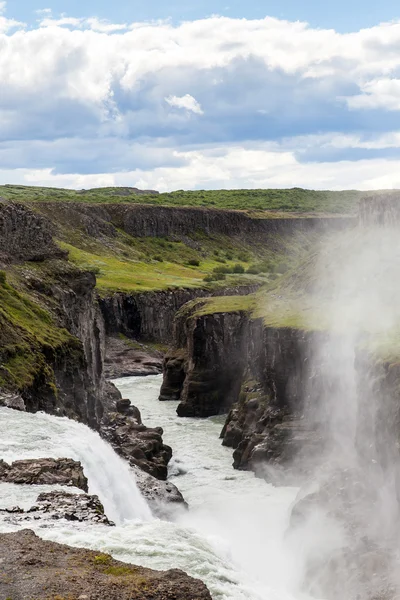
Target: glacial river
[234, 535]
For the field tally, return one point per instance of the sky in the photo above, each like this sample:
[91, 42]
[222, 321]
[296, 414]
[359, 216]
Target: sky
[200, 95]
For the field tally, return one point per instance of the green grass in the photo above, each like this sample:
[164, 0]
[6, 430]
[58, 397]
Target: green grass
[29, 336]
[294, 200]
[118, 273]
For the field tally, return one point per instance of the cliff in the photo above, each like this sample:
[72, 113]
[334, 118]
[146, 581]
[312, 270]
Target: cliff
[150, 316]
[25, 235]
[273, 382]
[162, 221]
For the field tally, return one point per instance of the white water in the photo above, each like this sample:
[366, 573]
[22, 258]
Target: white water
[24, 435]
[233, 536]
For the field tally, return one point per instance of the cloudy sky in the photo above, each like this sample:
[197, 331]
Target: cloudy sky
[201, 94]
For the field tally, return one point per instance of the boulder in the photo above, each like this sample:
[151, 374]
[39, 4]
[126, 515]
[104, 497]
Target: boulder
[142, 446]
[163, 497]
[44, 471]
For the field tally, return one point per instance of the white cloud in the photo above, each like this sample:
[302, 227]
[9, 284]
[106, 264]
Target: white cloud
[229, 168]
[379, 93]
[7, 24]
[90, 80]
[186, 102]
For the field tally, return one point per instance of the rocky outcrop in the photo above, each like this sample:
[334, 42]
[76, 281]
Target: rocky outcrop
[266, 378]
[141, 446]
[34, 568]
[44, 471]
[216, 360]
[150, 316]
[163, 497]
[15, 401]
[25, 235]
[59, 505]
[125, 358]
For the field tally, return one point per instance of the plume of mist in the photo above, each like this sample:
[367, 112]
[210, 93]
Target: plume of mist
[345, 526]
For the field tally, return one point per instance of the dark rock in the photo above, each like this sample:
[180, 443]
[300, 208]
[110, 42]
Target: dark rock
[141, 446]
[174, 371]
[34, 568]
[25, 235]
[150, 315]
[44, 471]
[217, 357]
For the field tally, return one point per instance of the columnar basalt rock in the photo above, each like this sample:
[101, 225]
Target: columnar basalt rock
[150, 316]
[25, 235]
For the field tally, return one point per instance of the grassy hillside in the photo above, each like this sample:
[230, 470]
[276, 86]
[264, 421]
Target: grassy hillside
[295, 200]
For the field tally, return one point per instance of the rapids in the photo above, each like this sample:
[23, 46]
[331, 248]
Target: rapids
[233, 536]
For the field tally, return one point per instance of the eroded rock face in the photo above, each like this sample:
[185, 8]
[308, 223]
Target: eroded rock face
[57, 505]
[216, 350]
[44, 471]
[34, 568]
[25, 235]
[150, 316]
[174, 374]
[142, 446]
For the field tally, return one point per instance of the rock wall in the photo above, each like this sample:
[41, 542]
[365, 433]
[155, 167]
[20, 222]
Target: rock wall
[264, 377]
[25, 235]
[80, 390]
[161, 221]
[150, 315]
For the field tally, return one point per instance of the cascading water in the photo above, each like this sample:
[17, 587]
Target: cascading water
[24, 435]
[233, 536]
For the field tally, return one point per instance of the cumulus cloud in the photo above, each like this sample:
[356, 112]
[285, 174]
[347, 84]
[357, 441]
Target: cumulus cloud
[280, 101]
[186, 102]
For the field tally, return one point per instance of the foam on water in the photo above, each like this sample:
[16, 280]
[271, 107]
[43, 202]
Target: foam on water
[24, 435]
[233, 536]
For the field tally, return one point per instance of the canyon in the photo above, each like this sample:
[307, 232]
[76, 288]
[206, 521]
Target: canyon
[263, 352]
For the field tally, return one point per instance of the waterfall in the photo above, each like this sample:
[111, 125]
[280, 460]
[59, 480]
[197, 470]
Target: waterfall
[25, 435]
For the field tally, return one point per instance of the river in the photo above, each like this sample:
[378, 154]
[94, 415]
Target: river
[233, 536]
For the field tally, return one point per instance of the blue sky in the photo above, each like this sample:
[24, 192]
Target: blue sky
[342, 15]
[263, 95]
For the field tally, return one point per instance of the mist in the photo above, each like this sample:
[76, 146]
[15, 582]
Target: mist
[344, 527]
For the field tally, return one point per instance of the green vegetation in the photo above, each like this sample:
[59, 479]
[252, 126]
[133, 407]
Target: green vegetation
[218, 304]
[29, 337]
[294, 200]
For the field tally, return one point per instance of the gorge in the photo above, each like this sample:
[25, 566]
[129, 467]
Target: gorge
[292, 359]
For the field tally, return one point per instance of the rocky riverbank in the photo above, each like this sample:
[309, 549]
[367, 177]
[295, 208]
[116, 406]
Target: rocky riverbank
[34, 568]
